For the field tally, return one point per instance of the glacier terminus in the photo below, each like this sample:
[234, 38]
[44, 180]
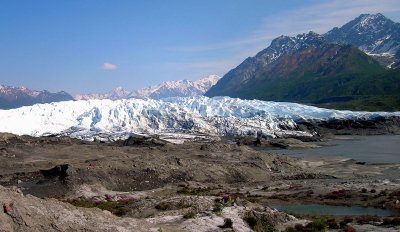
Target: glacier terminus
[110, 120]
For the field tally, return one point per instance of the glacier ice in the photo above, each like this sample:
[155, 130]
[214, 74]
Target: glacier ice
[190, 115]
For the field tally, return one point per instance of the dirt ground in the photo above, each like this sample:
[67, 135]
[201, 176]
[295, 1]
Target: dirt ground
[153, 185]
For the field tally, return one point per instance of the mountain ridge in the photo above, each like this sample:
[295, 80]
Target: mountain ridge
[310, 69]
[374, 34]
[283, 45]
[14, 97]
[179, 88]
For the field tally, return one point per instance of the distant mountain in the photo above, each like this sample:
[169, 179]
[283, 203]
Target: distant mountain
[14, 97]
[117, 93]
[310, 69]
[181, 88]
[232, 83]
[374, 34]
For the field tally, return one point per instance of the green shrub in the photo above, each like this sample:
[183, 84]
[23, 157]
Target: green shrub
[183, 204]
[251, 220]
[195, 191]
[228, 223]
[116, 207]
[342, 224]
[316, 226]
[291, 229]
[258, 224]
[299, 227]
[348, 219]
[367, 219]
[217, 207]
[396, 221]
[332, 224]
[164, 206]
[189, 215]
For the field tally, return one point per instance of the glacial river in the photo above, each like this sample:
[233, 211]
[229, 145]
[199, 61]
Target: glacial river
[336, 210]
[380, 149]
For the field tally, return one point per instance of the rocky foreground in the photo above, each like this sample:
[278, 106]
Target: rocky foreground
[148, 184]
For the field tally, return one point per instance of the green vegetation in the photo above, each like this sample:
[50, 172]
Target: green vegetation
[116, 207]
[184, 204]
[189, 215]
[367, 219]
[367, 103]
[299, 227]
[391, 221]
[315, 226]
[322, 225]
[258, 224]
[228, 223]
[332, 224]
[217, 208]
[195, 191]
[330, 76]
[251, 221]
[164, 206]
[170, 206]
[282, 197]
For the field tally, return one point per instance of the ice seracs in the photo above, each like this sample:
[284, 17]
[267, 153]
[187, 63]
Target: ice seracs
[190, 115]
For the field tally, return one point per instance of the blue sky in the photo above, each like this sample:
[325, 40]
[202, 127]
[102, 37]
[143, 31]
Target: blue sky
[91, 46]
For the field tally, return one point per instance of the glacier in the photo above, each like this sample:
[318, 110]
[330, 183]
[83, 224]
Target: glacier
[110, 120]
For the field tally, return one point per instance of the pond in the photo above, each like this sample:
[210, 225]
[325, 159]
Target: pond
[335, 210]
[382, 149]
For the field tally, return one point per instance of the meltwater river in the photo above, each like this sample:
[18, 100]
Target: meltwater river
[380, 149]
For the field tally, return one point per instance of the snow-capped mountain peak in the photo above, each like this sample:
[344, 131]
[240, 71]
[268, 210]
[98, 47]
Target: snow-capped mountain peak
[117, 93]
[372, 21]
[373, 33]
[120, 92]
[206, 83]
[13, 97]
[280, 47]
[180, 88]
[286, 44]
[15, 91]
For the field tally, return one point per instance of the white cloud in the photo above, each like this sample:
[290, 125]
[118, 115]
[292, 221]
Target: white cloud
[109, 66]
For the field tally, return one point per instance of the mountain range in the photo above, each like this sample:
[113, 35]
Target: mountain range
[330, 70]
[353, 67]
[180, 88]
[374, 34]
[14, 97]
